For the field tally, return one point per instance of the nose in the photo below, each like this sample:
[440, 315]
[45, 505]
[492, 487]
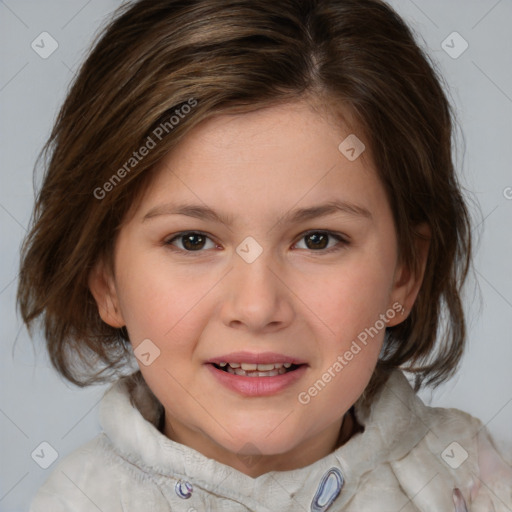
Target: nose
[256, 296]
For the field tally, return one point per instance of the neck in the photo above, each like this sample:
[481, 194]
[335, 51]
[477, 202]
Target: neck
[307, 453]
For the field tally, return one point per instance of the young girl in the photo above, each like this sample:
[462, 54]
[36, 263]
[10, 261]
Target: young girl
[255, 201]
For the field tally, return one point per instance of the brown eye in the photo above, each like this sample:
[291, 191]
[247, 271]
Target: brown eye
[317, 240]
[322, 241]
[190, 241]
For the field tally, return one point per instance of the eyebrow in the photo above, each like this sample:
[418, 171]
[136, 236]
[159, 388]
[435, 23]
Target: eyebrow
[292, 217]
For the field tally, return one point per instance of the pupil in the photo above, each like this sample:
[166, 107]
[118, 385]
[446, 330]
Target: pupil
[318, 238]
[189, 243]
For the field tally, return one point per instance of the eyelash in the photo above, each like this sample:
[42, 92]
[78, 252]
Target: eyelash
[342, 241]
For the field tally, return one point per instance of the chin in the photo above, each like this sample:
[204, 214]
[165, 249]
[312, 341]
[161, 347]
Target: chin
[260, 442]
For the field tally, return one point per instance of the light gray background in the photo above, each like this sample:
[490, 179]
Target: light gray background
[36, 405]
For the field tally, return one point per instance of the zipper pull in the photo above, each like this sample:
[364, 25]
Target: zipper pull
[459, 501]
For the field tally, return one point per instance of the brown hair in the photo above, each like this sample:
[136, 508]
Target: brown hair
[157, 56]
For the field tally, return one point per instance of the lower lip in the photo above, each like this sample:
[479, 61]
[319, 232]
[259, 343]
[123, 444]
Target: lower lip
[257, 386]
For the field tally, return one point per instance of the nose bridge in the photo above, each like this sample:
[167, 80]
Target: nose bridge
[252, 271]
[256, 297]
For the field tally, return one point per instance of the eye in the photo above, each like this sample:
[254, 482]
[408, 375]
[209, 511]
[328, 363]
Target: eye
[191, 241]
[319, 241]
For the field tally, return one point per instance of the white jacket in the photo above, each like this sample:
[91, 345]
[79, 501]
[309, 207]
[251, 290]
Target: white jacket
[410, 457]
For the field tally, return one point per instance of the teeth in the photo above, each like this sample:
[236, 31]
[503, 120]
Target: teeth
[271, 373]
[257, 372]
[250, 366]
[263, 367]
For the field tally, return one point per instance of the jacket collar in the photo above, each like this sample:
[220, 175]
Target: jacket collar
[393, 424]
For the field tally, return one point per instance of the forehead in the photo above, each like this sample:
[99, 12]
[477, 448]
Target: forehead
[283, 132]
[273, 157]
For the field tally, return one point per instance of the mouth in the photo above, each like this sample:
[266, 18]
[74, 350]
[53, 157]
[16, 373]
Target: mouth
[262, 374]
[256, 369]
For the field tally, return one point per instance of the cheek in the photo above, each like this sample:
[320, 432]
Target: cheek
[349, 299]
[159, 300]
[349, 339]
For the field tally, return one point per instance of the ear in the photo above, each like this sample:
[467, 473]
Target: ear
[407, 282]
[102, 286]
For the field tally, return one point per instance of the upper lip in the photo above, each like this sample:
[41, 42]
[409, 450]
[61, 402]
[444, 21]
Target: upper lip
[255, 358]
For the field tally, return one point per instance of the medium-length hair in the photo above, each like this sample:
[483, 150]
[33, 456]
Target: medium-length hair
[193, 59]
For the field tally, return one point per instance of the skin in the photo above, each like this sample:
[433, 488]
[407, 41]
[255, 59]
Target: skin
[294, 299]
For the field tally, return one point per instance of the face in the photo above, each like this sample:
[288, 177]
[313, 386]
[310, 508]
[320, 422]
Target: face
[258, 243]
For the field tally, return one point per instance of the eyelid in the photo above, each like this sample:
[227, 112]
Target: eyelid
[334, 234]
[167, 241]
[341, 238]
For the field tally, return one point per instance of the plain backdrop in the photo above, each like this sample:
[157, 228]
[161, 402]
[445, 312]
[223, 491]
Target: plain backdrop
[38, 406]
